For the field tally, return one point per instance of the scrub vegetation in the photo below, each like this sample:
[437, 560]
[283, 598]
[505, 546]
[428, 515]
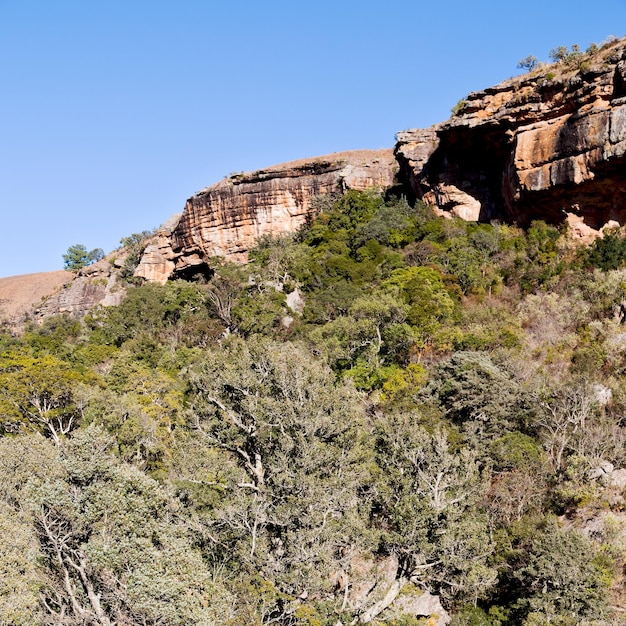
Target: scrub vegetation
[385, 404]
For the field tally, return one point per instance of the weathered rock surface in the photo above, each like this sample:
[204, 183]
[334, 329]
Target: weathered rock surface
[226, 218]
[547, 145]
[93, 285]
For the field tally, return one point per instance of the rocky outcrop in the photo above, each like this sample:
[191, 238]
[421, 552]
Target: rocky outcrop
[37, 296]
[226, 218]
[19, 295]
[547, 145]
[93, 285]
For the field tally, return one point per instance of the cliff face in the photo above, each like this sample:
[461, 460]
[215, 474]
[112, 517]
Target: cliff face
[550, 145]
[547, 145]
[225, 219]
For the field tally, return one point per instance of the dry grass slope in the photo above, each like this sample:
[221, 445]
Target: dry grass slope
[19, 294]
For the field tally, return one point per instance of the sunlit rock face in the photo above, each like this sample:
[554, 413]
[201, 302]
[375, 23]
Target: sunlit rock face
[226, 219]
[547, 145]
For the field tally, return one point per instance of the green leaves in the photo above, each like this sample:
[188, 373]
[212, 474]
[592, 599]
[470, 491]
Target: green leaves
[110, 546]
[37, 393]
[78, 257]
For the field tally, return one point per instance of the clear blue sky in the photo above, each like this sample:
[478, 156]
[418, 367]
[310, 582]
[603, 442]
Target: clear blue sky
[113, 112]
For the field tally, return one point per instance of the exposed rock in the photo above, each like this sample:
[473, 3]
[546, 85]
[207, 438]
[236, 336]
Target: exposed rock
[226, 218]
[157, 261]
[547, 145]
[20, 294]
[295, 301]
[618, 479]
[422, 604]
[93, 285]
[602, 472]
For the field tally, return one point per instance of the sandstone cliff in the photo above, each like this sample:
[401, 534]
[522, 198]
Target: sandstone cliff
[546, 145]
[550, 144]
[226, 218]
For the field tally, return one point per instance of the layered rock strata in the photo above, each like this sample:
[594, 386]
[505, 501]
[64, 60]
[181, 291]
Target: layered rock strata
[226, 219]
[37, 296]
[547, 145]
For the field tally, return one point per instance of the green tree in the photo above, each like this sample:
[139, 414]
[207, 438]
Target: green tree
[431, 495]
[111, 548]
[20, 578]
[76, 257]
[38, 394]
[478, 394]
[528, 63]
[561, 578]
[558, 54]
[283, 463]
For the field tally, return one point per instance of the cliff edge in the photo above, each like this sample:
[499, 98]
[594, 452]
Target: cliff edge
[547, 145]
[225, 219]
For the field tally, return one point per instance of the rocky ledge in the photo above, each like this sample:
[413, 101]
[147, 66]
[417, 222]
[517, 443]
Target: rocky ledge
[226, 218]
[546, 145]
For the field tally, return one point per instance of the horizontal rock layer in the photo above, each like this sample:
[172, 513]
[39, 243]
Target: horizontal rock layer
[547, 145]
[226, 218]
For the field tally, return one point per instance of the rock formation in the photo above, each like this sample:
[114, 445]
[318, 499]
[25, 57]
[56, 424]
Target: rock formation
[20, 294]
[550, 145]
[93, 285]
[226, 218]
[546, 145]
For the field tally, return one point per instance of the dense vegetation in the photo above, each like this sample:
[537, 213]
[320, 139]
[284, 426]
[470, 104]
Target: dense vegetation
[385, 404]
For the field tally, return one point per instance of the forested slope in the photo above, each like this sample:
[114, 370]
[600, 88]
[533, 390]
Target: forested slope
[384, 406]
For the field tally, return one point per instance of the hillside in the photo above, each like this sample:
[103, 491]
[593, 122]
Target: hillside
[549, 144]
[19, 295]
[393, 417]
[397, 411]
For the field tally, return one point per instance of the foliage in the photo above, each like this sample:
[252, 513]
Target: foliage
[36, 393]
[458, 108]
[608, 252]
[109, 547]
[77, 257]
[431, 494]
[133, 247]
[528, 63]
[385, 403]
[478, 394]
[561, 577]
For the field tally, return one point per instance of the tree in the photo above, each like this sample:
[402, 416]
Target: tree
[431, 495]
[78, 257]
[528, 63]
[561, 579]
[38, 394]
[277, 460]
[478, 394]
[20, 580]
[558, 54]
[111, 547]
